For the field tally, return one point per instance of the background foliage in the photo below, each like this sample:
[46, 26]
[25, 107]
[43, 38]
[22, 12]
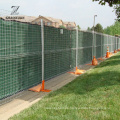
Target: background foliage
[113, 29]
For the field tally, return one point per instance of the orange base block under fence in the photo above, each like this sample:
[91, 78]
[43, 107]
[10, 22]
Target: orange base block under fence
[110, 53]
[115, 51]
[39, 88]
[94, 61]
[118, 50]
[107, 55]
[77, 72]
[100, 58]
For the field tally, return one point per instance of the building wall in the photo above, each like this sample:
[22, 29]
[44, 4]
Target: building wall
[61, 23]
[46, 22]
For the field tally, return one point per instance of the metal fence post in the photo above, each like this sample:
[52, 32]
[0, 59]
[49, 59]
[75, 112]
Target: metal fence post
[93, 45]
[77, 71]
[107, 40]
[42, 40]
[119, 43]
[111, 44]
[41, 87]
[76, 46]
[101, 47]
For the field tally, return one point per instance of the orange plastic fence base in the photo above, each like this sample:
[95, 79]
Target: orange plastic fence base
[36, 88]
[45, 90]
[107, 55]
[94, 62]
[91, 64]
[100, 59]
[110, 53]
[39, 88]
[115, 51]
[88, 64]
[77, 72]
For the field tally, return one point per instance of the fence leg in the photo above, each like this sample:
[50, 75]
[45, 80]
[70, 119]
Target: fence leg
[93, 45]
[115, 51]
[94, 60]
[111, 44]
[107, 41]
[41, 87]
[77, 71]
[101, 50]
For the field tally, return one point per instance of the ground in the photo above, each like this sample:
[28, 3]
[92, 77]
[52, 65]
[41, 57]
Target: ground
[94, 95]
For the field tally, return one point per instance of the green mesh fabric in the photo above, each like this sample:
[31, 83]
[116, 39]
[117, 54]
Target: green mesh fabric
[21, 56]
[57, 51]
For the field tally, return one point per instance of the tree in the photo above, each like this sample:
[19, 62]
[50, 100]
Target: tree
[88, 29]
[78, 27]
[115, 3]
[117, 11]
[98, 28]
[113, 29]
[61, 26]
[110, 2]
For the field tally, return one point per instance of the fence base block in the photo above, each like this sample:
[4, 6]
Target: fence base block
[100, 59]
[39, 88]
[91, 64]
[78, 71]
[94, 62]
[115, 51]
[118, 50]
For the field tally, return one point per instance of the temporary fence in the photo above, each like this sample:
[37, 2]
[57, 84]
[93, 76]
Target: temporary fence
[21, 53]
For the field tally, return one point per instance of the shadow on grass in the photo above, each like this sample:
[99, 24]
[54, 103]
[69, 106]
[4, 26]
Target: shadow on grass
[99, 77]
[90, 82]
[114, 60]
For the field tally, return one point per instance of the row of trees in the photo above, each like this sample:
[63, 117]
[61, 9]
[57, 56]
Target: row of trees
[110, 30]
[97, 28]
[113, 29]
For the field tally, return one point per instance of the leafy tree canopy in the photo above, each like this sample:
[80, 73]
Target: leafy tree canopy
[113, 29]
[88, 29]
[78, 27]
[61, 26]
[97, 28]
[115, 3]
[110, 2]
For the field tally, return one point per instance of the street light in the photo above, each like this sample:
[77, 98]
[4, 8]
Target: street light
[93, 37]
[94, 22]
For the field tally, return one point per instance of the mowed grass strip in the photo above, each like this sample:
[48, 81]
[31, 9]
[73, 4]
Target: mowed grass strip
[92, 96]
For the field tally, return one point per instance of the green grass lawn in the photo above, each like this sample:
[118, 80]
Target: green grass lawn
[92, 96]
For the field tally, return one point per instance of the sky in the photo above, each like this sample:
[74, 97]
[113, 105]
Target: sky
[79, 11]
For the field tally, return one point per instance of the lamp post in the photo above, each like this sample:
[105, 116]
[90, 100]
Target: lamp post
[94, 22]
[93, 36]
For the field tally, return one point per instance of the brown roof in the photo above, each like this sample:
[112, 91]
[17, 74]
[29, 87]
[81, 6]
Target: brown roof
[51, 19]
[54, 19]
[70, 23]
